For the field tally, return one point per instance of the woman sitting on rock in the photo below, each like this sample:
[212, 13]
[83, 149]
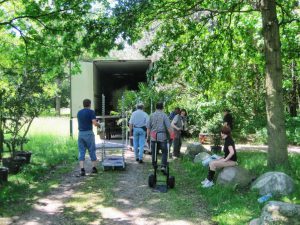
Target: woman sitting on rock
[229, 158]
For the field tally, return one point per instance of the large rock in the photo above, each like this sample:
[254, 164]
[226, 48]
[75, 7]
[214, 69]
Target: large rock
[277, 183]
[234, 176]
[201, 156]
[255, 222]
[194, 148]
[275, 212]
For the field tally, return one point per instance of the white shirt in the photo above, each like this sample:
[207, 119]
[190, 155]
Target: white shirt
[139, 118]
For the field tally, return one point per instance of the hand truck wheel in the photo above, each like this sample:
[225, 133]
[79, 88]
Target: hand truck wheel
[171, 182]
[151, 181]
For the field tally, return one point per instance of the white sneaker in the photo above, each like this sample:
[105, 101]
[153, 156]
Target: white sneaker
[208, 184]
[204, 181]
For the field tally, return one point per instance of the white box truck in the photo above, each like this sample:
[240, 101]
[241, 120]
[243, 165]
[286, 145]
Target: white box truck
[108, 77]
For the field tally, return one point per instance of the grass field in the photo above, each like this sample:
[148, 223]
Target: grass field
[58, 126]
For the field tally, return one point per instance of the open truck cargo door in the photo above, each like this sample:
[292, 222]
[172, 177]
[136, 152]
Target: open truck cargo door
[82, 87]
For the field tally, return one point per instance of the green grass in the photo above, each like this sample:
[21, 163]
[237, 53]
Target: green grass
[52, 156]
[233, 206]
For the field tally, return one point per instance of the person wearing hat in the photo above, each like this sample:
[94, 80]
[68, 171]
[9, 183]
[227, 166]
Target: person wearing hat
[137, 127]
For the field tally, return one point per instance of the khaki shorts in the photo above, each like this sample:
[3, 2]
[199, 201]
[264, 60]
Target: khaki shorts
[218, 164]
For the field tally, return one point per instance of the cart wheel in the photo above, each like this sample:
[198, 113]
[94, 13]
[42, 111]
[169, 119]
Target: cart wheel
[171, 182]
[151, 181]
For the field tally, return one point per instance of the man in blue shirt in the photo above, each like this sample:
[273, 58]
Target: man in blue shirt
[137, 123]
[86, 138]
[174, 113]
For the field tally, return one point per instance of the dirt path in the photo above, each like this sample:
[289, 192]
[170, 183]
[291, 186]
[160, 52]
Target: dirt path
[133, 201]
[48, 210]
[136, 203]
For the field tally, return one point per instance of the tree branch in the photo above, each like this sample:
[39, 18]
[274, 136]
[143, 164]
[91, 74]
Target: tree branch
[22, 36]
[36, 16]
[3, 1]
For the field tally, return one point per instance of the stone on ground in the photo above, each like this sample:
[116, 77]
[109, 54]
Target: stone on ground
[275, 212]
[200, 157]
[234, 176]
[194, 148]
[276, 183]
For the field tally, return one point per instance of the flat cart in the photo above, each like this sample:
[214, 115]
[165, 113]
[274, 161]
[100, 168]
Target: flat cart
[112, 152]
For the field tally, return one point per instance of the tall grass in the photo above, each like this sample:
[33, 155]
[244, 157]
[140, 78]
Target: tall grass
[40, 175]
[239, 206]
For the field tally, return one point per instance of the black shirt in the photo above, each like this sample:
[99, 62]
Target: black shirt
[229, 142]
[228, 119]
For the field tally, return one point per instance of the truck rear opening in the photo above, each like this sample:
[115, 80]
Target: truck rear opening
[113, 77]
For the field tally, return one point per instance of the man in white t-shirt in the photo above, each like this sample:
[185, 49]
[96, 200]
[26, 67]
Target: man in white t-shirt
[137, 124]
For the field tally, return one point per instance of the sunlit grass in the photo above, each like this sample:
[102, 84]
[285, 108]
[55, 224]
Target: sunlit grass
[239, 206]
[57, 126]
[49, 154]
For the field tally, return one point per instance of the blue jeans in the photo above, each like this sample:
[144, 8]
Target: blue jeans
[86, 140]
[164, 148]
[139, 142]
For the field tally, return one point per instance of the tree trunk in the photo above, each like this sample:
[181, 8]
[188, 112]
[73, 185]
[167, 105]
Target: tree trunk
[58, 98]
[1, 128]
[294, 102]
[1, 142]
[57, 105]
[277, 141]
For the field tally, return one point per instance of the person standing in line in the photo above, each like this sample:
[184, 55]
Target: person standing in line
[171, 117]
[228, 119]
[86, 139]
[157, 128]
[229, 159]
[174, 113]
[137, 124]
[177, 125]
[183, 115]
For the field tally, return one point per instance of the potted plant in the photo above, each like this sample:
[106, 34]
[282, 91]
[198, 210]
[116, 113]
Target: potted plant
[14, 162]
[3, 174]
[22, 152]
[17, 130]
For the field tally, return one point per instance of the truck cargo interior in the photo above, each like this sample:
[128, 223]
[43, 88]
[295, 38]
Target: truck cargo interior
[113, 77]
